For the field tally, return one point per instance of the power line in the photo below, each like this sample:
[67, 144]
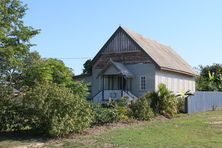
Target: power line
[75, 58]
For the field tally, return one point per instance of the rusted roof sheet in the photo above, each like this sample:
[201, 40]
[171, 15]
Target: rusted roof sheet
[164, 56]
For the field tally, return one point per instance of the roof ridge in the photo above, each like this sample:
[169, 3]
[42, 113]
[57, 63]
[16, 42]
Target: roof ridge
[147, 38]
[160, 52]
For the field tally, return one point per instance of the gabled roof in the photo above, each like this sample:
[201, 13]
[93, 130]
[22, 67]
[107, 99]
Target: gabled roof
[121, 68]
[164, 56]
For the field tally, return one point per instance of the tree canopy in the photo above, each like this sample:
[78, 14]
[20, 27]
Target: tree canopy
[19, 67]
[46, 70]
[14, 38]
[87, 67]
[48, 98]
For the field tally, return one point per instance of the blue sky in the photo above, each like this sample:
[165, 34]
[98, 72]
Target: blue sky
[77, 29]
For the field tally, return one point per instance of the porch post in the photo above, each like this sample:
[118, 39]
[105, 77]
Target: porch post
[122, 87]
[103, 89]
[112, 82]
[126, 84]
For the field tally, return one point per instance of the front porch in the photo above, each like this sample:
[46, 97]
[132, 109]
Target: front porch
[116, 83]
[106, 95]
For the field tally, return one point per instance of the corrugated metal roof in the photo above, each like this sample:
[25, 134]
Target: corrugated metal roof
[164, 56]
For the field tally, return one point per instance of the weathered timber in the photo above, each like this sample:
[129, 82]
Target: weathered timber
[125, 58]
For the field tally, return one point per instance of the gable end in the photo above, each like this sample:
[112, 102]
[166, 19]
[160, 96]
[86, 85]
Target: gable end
[120, 48]
[120, 43]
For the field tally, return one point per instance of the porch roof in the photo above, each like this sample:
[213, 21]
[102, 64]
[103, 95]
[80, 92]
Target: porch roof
[120, 68]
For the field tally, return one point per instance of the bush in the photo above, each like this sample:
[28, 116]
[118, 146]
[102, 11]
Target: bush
[163, 101]
[121, 105]
[181, 101]
[181, 105]
[141, 110]
[103, 115]
[113, 111]
[57, 110]
[12, 114]
[47, 108]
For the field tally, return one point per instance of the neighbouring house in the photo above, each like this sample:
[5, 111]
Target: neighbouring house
[130, 65]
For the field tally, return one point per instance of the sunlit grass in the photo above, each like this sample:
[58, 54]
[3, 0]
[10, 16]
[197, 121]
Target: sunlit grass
[196, 130]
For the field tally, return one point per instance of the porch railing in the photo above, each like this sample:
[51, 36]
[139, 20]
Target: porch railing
[105, 95]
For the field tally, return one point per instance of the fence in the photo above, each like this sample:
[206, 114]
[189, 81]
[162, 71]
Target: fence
[203, 101]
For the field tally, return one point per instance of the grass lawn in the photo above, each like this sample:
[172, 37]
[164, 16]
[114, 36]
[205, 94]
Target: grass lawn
[196, 130]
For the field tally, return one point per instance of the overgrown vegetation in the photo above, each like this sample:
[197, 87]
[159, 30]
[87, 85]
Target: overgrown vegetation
[46, 108]
[48, 100]
[57, 110]
[141, 110]
[210, 78]
[103, 115]
[163, 101]
[112, 111]
[11, 111]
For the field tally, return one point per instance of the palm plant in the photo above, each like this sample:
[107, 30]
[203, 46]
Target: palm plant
[181, 97]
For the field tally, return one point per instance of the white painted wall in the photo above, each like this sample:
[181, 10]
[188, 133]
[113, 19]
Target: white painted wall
[175, 82]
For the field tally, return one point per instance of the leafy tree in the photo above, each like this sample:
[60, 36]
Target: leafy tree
[46, 70]
[50, 70]
[210, 78]
[36, 72]
[60, 73]
[14, 38]
[87, 67]
[52, 98]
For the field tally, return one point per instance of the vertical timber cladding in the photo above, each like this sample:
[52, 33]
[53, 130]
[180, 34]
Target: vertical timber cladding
[121, 49]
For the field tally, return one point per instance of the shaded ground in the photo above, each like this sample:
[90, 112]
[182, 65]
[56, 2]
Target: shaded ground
[196, 130]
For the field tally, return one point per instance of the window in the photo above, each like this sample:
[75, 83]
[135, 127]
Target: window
[143, 83]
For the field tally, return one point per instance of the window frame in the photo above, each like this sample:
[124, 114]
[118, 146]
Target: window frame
[141, 87]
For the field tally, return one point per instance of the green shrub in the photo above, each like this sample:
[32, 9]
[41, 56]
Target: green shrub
[163, 101]
[122, 102]
[152, 98]
[57, 110]
[122, 107]
[103, 115]
[181, 105]
[112, 111]
[141, 110]
[11, 111]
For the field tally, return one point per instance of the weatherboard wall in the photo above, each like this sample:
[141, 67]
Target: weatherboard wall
[175, 82]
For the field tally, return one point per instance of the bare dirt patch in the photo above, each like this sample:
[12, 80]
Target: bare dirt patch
[216, 122]
[34, 145]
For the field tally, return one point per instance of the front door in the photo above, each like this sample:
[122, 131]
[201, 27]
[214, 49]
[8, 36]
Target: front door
[121, 83]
